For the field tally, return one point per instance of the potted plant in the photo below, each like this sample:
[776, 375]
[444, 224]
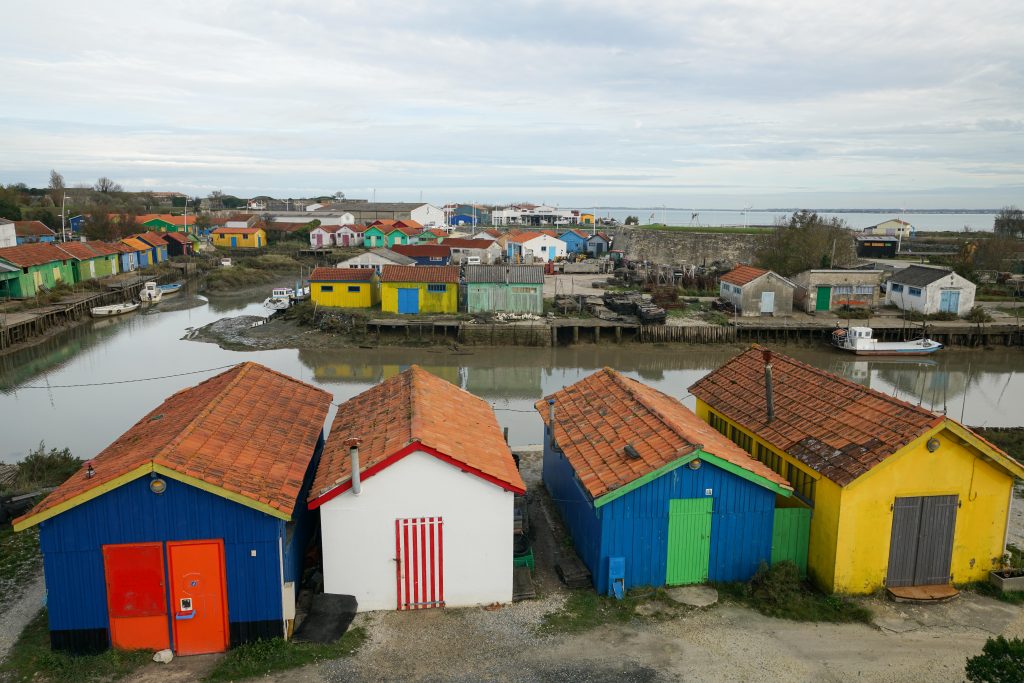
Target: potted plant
[1010, 575]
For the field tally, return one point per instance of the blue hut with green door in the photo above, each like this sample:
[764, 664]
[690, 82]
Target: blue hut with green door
[651, 494]
[189, 531]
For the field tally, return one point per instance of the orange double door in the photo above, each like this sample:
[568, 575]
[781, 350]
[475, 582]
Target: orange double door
[140, 583]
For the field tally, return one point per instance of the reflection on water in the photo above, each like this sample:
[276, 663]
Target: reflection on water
[986, 387]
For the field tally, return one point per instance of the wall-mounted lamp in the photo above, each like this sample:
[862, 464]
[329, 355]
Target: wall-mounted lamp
[695, 464]
[89, 471]
[933, 445]
[157, 485]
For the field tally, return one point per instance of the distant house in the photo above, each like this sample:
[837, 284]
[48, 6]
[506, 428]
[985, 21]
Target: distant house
[415, 493]
[375, 236]
[8, 234]
[831, 289]
[894, 227]
[650, 494]
[400, 234]
[505, 288]
[425, 254]
[345, 287]
[90, 260]
[900, 496]
[33, 231]
[179, 244]
[165, 222]
[487, 251]
[877, 247]
[143, 251]
[323, 236]
[240, 238]
[377, 259]
[598, 244]
[575, 241]
[33, 267]
[538, 246]
[189, 531]
[350, 235]
[419, 289]
[158, 243]
[431, 236]
[128, 258]
[930, 290]
[755, 291]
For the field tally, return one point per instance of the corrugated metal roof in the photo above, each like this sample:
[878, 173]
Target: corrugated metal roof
[920, 276]
[525, 275]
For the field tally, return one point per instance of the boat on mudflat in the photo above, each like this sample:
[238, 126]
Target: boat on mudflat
[113, 309]
[171, 288]
[861, 341]
[150, 293]
[280, 298]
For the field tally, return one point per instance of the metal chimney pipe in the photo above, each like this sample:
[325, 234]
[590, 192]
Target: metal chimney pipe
[768, 394]
[353, 455]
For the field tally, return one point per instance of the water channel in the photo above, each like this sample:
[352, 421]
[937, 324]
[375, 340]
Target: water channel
[75, 389]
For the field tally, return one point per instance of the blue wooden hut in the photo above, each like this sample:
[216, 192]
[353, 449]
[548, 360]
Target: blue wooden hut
[651, 494]
[188, 532]
[575, 241]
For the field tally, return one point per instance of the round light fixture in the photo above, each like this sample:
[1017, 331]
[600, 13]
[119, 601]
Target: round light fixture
[157, 486]
[695, 464]
[933, 445]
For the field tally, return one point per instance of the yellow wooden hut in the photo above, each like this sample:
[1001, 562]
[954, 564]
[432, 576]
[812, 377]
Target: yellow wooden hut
[900, 497]
[419, 289]
[344, 287]
[240, 238]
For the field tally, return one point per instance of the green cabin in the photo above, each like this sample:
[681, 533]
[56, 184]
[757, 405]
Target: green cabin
[90, 261]
[31, 267]
[505, 289]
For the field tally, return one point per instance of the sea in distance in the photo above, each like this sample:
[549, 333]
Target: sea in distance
[980, 221]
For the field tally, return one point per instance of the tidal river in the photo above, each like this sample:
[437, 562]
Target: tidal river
[81, 389]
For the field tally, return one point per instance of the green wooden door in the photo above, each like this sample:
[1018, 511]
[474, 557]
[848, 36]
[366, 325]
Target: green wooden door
[791, 530]
[689, 540]
[824, 300]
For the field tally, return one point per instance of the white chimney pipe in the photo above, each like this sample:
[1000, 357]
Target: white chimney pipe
[353, 454]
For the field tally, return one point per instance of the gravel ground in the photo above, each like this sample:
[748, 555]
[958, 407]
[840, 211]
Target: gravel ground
[16, 614]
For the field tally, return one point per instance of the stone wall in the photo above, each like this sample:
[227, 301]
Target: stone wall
[507, 334]
[686, 248]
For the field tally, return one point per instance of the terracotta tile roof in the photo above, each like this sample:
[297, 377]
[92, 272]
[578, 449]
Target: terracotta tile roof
[409, 232]
[166, 218]
[32, 229]
[236, 231]
[342, 275]
[599, 415]
[409, 408]
[422, 250]
[741, 275]
[251, 431]
[436, 233]
[33, 254]
[136, 244]
[155, 239]
[80, 251]
[466, 243]
[177, 237]
[410, 223]
[834, 426]
[330, 229]
[382, 223]
[420, 274]
[103, 248]
[524, 236]
[120, 247]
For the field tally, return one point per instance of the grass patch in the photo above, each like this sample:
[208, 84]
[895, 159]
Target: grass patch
[31, 659]
[715, 317]
[988, 590]
[778, 592]
[19, 559]
[266, 656]
[585, 610]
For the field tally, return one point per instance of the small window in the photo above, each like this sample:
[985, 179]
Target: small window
[896, 287]
[355, 288]
[543, 248]
[436, 289]
[844, 289]
[914, 291]
[435, 258]
[866, 290]
[326, 288]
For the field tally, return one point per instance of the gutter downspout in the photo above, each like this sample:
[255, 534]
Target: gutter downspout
[353, 454]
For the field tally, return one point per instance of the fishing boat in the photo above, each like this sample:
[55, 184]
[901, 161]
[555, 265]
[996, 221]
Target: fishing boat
[150, 293]
[113, 309]
[862, 342]
[172, 288]
[280, 298]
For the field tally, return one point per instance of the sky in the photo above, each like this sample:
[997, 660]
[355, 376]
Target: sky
[763, 103]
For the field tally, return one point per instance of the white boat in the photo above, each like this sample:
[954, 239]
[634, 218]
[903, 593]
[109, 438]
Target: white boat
[172, 288]
[113, 309]
[280, 298]
[225, 262]
[300, 294]
[861, 341]
[150, 293]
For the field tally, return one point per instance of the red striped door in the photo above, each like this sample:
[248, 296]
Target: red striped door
[419, 550]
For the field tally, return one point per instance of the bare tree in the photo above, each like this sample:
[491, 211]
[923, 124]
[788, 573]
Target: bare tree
[106, 186]
[56, 187]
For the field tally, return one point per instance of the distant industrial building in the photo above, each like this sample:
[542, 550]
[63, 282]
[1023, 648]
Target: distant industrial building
[530, 214]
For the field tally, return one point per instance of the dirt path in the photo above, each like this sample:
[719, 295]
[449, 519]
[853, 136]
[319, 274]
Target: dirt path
[18, 613]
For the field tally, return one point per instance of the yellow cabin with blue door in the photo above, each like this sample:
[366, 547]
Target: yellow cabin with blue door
[899, 497]
[240, 238]
[419, 289]
[344, 287]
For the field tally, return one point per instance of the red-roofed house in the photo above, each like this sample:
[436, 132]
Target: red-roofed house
[650, 493]
[755, 291]
[188, 532]
[428, 520]
[33, 231]
[345, 287]
[900, 496]
[323, 236]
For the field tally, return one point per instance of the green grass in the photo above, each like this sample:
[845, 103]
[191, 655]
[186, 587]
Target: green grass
[585, 610]
[31, 659]
[778, 592]
[752, 230]
[987, 589]
[19, 559]
[266, 656]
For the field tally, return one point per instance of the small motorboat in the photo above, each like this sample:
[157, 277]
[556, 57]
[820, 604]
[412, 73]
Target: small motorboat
[225, 262]
[113, 309]
[150, 293]
[862, 342]
[280, 298]
[172, 288]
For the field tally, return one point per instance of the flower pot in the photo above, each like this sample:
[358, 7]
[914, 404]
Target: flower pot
[1006, 583]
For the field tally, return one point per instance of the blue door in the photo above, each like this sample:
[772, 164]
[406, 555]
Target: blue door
[234, 242]
[950, 301]
[409, 300]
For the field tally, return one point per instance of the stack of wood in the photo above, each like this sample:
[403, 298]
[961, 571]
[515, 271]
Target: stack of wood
[571, 569]
[521, 517]
[522, 584]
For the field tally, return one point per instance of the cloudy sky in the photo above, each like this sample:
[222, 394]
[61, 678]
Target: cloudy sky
[723, 103]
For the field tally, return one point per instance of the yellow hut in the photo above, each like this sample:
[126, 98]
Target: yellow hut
[344, 287]
[899, 497]
[419, 289]
[240, 238]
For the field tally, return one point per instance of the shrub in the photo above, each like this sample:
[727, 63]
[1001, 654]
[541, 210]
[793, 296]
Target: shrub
[856, 313]
[42, 468]
[978, 314]
[1000, 661]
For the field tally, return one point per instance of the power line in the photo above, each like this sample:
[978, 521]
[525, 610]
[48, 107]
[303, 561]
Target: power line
[126, 381]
